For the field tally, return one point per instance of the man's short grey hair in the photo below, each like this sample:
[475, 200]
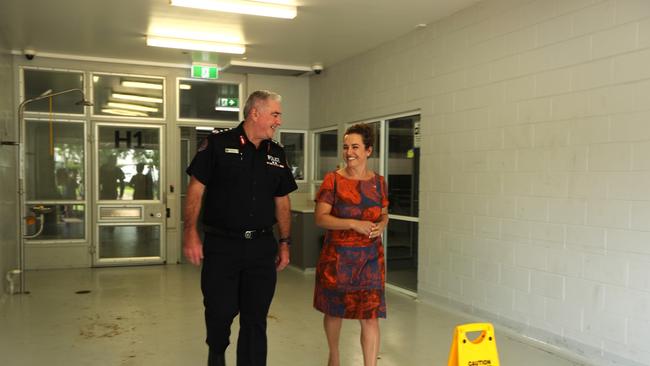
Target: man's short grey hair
[259, 96]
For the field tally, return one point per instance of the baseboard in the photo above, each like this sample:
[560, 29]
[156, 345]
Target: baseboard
[535, 337]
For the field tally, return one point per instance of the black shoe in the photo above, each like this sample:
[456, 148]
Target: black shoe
[216, 359]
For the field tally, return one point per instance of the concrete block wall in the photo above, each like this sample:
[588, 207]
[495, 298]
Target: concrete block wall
[535, 171]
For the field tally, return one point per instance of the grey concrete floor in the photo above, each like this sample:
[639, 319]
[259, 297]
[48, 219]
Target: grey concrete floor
[154, 316]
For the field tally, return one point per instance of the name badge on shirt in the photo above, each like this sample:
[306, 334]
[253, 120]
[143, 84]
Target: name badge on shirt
[231, 151]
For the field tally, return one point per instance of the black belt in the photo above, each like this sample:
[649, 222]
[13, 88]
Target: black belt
[238, 234]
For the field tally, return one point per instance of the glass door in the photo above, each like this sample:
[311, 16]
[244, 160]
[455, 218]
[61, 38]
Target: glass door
[129, 211]
[402, 160]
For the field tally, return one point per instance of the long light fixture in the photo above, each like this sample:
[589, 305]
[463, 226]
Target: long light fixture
[137, 98]
[133, 107]
[141, 85]
[227, 109]
[265, 9]
[191, 44]
[123, 112]
[185, 87]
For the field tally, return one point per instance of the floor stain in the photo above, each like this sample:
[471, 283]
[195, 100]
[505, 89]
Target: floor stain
[101, 329]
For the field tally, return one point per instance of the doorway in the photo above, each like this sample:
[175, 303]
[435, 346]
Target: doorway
[402, 162]
[191, 138]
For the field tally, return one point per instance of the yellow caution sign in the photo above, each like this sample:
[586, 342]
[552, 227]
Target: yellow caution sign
[478, 351]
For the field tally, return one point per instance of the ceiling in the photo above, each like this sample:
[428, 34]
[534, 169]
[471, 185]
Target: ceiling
[325, 31]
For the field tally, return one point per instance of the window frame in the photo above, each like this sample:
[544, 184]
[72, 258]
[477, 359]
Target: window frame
[313, 150]
[304, 152]
[108, 117]
[199, 121]
[21, 90]
[87, 183]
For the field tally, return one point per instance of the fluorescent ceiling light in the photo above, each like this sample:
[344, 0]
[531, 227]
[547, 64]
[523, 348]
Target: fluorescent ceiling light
[123, 112]
[141, 85]
[190, 44]
[137, 98]
[227, 109]
[133, 107]
[185, 86]
[189, 31]
[265, 9]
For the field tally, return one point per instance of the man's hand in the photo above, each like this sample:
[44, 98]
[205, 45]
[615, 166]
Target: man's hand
[193, 249]
[282, 260]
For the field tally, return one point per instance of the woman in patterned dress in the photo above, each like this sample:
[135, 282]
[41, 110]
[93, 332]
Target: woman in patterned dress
[352, 205]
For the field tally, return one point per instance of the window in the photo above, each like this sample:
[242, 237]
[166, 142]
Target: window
[128, 96]
[55, 178]
[54, 160]
[325, 152]
[39, 81]
[128, 162]
[208, 100]
[294, 147]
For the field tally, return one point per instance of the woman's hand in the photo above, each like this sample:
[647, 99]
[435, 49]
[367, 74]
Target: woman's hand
[367, 228]
[378, 229]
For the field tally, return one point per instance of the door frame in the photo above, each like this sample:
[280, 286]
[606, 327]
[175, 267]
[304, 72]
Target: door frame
[97, 203]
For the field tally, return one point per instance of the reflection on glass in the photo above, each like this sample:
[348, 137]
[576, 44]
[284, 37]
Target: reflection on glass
[326, 159]
[294, 147]
[403, 166]
[129, 241]
[402, 253]
[63, 222]
[54, 168]
[208, 100]
[129, 163]
[128, 96]
[38, 82]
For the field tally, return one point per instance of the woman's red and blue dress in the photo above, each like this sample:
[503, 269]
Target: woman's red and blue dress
[350, 274]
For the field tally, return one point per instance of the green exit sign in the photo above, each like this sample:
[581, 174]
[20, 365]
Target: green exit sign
[228, 102]
[205, 72]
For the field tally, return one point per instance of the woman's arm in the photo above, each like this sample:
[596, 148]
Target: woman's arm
[381, 223]
[325, 219]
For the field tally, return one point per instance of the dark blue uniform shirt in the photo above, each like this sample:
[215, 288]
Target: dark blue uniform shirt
[240, 180]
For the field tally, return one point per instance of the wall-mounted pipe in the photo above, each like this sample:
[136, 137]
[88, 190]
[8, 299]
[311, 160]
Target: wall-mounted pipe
[11, 280]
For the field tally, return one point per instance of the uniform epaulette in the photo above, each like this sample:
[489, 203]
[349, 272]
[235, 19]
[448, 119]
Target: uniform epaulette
[277, 143]
[216, 131]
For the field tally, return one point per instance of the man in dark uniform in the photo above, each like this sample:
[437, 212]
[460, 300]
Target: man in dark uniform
[246, 180]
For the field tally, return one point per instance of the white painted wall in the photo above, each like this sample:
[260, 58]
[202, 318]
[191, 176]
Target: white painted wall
[535, 183]
[295, 97]
[8, 222]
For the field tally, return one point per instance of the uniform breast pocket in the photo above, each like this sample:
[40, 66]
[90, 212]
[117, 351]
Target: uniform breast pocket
[274, 175]
[232, 160]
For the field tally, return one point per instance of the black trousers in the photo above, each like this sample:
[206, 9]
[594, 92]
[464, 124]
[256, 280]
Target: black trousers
[238, 277]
